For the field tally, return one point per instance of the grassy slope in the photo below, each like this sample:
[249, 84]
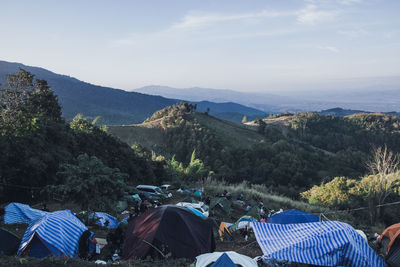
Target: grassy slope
[151, 134]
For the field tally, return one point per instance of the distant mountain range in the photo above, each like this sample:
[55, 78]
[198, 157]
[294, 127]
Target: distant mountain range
[114, 105]
[122, 107]
[373, 99]
[340, 112]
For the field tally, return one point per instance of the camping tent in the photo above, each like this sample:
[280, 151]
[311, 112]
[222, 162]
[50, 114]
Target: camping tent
[205, 259]
[22, 213]
[8, 242]
[221, 204]
[328, 243]
[175, 229]
[254, 210]
[389, 241]
[57, 234]
[224, 261]
[102, 219]
[242, 223]
[293, 216]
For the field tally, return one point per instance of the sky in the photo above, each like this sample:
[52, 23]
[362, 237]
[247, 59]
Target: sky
[244, 45]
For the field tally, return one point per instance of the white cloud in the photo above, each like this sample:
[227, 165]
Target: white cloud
[391, 34]
[193, 20]
[329, 48]
[353, 33]
[312, 15]
[349, 2]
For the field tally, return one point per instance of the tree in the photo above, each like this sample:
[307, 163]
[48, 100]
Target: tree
[338, 192]
[383, 181]
[244, 120]
[25, 101]
[90, 183]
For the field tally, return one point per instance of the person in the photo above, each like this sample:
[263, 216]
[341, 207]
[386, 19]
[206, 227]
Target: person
[136, 209]
[86, 246]
[262, 212]
[245, 232]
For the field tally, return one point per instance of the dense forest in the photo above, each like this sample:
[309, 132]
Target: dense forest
[40, 148]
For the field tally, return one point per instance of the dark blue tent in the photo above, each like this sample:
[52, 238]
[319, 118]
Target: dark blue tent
[293, 216]
[9, 242]
[224, 261]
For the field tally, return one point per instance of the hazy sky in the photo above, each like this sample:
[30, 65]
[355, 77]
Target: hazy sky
[245, 45]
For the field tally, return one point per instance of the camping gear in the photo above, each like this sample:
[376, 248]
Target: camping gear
[329, 243]
[390, 244]
[122, 205]
[22, 213]
[200, 206]
[57, 234]
[223, 231]
[293, 216]
[242, 223]
[9, 243]
[224, 261]
[190, 199]
[221, 205]
[102, 218]
[236, 258]
[198, 192]
[253, 210]
[175, 230]
[197, 212]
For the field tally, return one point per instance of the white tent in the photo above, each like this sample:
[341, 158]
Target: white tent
[207, 258]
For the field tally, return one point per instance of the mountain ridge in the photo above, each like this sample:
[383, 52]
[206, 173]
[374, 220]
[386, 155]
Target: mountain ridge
[116, 106]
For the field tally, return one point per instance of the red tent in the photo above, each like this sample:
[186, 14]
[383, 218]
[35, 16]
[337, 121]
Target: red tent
[168, 229]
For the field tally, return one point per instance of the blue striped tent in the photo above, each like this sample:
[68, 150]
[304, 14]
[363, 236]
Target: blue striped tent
[328, 243]
[22, 213]
[293, 216]
[56, 234]
[101, 219]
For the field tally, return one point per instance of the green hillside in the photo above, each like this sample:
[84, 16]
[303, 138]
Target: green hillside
[288, 153]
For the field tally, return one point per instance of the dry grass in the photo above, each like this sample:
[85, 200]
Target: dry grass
[258, 192]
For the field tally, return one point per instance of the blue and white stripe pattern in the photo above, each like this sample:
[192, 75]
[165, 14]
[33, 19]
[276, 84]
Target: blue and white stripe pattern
[59, 230]
[102, 218]
[22, 213]
[328, 243]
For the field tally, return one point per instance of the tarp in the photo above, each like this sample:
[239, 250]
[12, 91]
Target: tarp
[242, 223]
[184, 234]
[59, 231]
[328, 243]
[103, 218]
[22, 213]
[224, 231]
[205, 259]
[224, 261]
[293, 216]
[198, 213]
[9, 242]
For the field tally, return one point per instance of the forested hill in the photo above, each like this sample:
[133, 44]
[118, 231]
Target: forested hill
[114, 105]
[287, 152]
